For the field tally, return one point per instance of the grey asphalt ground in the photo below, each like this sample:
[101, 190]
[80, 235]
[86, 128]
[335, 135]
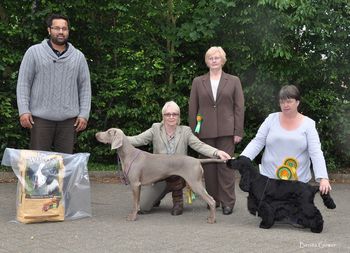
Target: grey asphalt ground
[108, 231]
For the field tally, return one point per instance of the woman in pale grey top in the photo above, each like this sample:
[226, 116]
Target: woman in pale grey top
[169, 137]
[291, 143]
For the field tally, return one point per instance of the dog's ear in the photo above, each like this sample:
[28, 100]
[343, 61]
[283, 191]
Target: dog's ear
[245, 171]
[117, 138]
[244, 183]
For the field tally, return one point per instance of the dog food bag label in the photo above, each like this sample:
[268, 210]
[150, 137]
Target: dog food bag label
[41, 191]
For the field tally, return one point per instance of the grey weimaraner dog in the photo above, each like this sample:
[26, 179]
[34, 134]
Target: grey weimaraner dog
[143, 168]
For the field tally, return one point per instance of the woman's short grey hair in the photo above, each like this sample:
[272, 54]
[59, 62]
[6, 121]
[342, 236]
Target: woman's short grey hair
[177, 108]
[289, 91]
[213, 50]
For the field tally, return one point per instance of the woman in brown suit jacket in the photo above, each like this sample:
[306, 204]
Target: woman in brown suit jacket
[218, 98]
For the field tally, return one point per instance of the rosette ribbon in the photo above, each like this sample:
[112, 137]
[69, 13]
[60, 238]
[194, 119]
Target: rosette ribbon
[190, 195]
[199, 123]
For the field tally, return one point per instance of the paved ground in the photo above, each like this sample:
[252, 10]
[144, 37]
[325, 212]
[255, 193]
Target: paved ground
[108, 231]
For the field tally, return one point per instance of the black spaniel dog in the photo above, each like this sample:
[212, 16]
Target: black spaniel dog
[280, 200]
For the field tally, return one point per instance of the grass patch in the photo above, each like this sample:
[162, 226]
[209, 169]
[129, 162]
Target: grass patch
[102, 167]
[5, 168]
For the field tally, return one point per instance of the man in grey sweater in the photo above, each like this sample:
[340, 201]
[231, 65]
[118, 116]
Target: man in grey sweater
[54, 90]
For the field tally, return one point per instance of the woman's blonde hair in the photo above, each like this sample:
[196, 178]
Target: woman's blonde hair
[177, 108]
[214, 50]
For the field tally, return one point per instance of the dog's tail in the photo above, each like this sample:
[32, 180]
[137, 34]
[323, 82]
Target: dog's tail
[328, 201]
[203, 161]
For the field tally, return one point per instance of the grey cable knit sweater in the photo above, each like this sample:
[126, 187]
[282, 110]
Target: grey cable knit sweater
[52, 87]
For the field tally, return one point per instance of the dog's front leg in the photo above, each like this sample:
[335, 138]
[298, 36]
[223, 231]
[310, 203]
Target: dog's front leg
[252, 204]
[136, 202]
[266, 212]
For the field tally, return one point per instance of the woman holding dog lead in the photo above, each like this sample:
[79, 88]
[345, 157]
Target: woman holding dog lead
[169, 137]
[291, 144]
[216, 114]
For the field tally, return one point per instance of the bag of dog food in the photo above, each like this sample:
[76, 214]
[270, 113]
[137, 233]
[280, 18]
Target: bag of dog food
[51, 186]
[40, 193]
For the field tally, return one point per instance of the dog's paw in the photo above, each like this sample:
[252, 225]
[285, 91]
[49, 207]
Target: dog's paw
[317, 229]
[316, 224]
[132, 216]
[265, 225]
[211, 220]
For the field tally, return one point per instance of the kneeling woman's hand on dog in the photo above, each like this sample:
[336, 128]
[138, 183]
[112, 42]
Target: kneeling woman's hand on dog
[325, 186]
[223, 155]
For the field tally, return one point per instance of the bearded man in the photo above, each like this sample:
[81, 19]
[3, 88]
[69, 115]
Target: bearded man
[54, 90]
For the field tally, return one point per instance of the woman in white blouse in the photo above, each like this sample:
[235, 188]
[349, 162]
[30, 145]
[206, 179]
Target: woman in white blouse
[291, 143]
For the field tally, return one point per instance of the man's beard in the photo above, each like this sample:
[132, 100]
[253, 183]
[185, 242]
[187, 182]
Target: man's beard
[59, 41]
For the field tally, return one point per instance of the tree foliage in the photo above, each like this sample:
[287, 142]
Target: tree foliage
[143, 53]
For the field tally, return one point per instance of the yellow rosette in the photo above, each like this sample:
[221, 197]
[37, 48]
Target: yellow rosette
[292, 163]
[190, 195]
[288, 171]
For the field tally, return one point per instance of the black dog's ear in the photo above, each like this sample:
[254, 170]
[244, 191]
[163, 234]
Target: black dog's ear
[242, 164]
[244, 183]
[245, 171]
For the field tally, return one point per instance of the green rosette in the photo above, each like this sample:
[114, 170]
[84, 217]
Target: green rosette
[291, 162]
[283, 172]
[199, 119]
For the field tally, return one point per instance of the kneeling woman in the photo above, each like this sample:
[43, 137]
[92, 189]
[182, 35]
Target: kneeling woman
[169, 137]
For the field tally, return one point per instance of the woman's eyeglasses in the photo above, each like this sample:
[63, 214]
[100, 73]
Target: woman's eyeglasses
[214, 58]
[168, 115]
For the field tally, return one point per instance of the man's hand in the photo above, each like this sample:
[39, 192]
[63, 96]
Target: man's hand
[26, 120]
[80, 124]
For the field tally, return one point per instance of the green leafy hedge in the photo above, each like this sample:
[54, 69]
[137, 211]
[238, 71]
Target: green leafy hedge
[142, 54]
